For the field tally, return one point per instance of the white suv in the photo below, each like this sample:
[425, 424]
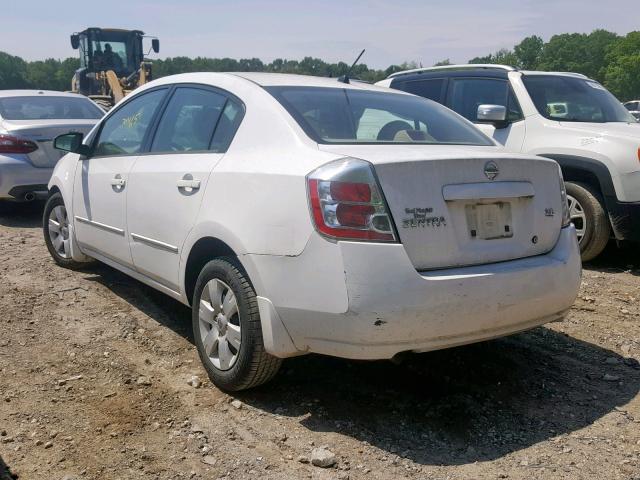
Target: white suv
[300, 214]
[564, 116]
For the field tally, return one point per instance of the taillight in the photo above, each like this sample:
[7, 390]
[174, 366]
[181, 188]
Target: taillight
[347, 203]
[13, 144]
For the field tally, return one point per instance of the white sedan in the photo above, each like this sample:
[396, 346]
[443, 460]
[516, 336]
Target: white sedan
[29, 121]
[300, 214]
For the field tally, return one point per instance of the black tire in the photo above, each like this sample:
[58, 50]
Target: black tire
[253, 365]
[54, 201]
[597, 229]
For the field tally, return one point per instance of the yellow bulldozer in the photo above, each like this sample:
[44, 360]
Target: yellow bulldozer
[112, 63]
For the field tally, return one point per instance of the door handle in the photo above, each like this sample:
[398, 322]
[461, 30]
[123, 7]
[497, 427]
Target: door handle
[188, 183]
[118, 181]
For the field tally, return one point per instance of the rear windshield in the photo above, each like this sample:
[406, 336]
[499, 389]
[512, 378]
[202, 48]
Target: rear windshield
[48, 108]
[335, 115]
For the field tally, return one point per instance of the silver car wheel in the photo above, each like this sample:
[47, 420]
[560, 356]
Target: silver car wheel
[220, 329]
[59, 231]
[578, 217]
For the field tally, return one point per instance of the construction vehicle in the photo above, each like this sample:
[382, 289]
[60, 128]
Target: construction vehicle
[112, 63]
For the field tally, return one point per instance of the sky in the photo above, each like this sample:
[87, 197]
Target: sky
[392, 32]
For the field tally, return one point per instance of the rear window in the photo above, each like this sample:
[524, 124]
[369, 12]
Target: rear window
[343, 116]
[48, 108]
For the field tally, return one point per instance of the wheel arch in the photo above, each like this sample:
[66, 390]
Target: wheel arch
[586, 170]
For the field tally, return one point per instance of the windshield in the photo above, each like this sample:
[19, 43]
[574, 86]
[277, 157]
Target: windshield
[335, 115]
[571, 99]
[48, 108]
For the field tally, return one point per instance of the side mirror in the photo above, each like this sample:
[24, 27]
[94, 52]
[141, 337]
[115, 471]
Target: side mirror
[495, 114]
[155, 45]
[71, 142]
[75, 41]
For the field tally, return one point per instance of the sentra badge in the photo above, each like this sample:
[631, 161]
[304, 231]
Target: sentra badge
[422, 217]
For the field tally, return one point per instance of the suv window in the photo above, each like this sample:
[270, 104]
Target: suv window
[189, 120]
[467, 94]
[632, 106]
[124, 131]
[428, 88]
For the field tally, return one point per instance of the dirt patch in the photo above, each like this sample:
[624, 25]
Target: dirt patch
[96, 372]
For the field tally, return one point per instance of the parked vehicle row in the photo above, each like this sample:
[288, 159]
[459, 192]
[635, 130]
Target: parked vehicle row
[300, 214]
[29, 121]
[564, 116]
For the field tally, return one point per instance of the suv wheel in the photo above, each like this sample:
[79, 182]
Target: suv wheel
[55, 226]
[227, 329]
[590, 219]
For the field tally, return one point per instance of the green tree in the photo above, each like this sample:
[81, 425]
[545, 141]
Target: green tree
[578, 52]
[13, 72]
[528, 52]
[503, 56]
[442, 63]
[622, 74]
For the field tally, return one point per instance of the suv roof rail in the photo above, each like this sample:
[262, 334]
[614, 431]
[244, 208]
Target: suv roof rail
[485, 66]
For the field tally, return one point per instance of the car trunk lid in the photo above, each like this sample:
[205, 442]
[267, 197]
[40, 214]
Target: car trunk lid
[460, 206]
[43, 132]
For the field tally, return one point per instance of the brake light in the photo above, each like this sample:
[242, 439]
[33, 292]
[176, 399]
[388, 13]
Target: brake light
[13, 144]
[347, 203]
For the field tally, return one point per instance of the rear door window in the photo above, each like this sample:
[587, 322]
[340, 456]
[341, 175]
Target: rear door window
[432, 88]
[189, 121]
[467, 94]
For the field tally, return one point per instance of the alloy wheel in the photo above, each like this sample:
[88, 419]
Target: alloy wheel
[59, 231]
[578, 217]
[220, 329]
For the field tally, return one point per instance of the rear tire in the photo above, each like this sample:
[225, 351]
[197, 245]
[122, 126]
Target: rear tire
[590, 219]
[227, 329]
[57, 237]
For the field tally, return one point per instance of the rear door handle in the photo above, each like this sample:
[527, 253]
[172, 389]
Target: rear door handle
[188, 183]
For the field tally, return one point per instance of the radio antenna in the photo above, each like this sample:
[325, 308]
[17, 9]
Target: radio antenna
[345, 78]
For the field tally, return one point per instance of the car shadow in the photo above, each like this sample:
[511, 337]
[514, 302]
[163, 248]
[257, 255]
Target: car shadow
[614, 259]
[450, 407]
[5, 471]
[21, 215]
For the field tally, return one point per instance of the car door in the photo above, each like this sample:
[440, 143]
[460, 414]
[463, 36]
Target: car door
[467, 94]
[101, 181]
[168, 182]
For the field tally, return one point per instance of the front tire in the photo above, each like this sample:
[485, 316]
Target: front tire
[590, 219]
[227, 329]
[57, 236]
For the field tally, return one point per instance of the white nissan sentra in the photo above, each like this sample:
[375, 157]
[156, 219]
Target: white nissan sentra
[299, 214]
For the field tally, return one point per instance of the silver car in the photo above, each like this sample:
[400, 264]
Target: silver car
[634, 108]
[29, 121]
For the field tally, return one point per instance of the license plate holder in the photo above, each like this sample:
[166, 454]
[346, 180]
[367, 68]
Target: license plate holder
[489, 221]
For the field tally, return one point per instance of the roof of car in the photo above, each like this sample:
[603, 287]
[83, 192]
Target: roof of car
[487, 70]
[37, 93]
[286, 79]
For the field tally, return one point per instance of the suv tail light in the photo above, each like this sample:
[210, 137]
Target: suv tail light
[13, 144]
[347, 203]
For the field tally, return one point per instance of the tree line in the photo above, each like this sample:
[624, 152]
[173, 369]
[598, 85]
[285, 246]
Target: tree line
[613, 60]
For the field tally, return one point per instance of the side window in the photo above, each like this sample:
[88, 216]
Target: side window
[431, 88]
[467, 94]
[227, 126]
[189, 120]
[123, 132]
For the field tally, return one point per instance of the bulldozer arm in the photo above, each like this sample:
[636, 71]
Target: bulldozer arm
[115, 86]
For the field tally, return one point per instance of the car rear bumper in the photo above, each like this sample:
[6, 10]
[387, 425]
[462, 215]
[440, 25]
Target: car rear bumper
[19, 177]
[367, 301]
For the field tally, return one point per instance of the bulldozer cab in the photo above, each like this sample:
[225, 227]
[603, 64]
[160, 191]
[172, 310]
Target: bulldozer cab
[108, 56]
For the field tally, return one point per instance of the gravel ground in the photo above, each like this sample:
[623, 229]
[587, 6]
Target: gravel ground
[98, 382]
